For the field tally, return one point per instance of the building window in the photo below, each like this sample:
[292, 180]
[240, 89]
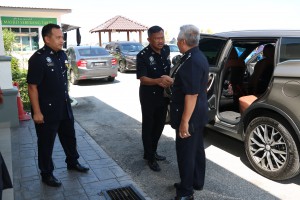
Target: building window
[26, 39]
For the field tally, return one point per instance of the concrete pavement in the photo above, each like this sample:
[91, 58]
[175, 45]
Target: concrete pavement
[104, 172]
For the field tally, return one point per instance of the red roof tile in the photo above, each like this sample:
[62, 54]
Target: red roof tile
[119, 23]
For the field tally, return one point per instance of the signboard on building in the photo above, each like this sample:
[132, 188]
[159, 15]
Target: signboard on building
[27, 21]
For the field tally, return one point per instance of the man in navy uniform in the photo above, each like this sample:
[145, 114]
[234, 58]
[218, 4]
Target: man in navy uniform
[153, 68]
[50, 104]
[189, 112]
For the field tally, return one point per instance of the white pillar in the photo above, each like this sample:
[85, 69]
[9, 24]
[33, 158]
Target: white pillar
[9, 109]
[5, 70]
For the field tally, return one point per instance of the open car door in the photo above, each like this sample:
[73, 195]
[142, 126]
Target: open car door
[212, 47]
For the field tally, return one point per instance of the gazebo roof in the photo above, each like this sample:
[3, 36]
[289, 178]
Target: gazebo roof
[119, 23]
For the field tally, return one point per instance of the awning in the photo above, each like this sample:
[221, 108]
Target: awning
[68, 27]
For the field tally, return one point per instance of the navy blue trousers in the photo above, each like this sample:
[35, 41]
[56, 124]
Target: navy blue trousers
[153, 122]
[46, 134]
[191, 161]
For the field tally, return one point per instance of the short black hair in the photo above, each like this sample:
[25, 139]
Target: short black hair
[154, 29]
[47, 29]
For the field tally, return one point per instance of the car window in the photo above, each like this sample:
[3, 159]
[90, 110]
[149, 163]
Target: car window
[239, 50]
[174, 48]
[93, 52]
[257, 52]
[131, 47]
[212, 48]
[289, 49]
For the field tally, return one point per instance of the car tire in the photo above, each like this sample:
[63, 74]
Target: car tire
[73, 78]
[122, 66]
[271, 149]
[110, 79]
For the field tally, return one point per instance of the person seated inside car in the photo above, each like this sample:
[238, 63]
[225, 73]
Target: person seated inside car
[263, 71]
[235, 67]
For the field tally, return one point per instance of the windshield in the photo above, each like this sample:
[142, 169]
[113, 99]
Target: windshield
[131, 47]
[212, 48]
[93, 52]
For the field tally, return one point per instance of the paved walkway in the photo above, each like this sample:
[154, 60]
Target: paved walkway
[104, 172]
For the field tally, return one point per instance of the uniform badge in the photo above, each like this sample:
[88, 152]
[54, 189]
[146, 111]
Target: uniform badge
[152, 61]
[49, 62]
[48, 59]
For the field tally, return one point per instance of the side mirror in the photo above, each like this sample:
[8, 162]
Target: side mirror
[176, 59]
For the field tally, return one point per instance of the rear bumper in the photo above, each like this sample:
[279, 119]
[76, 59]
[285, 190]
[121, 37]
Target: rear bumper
[96, 73]
[130, 64]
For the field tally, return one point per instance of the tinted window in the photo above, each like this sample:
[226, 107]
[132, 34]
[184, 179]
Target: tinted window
[174, 48]
[211, 48]
[131, 47]
[289, 49]
[240, 50]
[93, 52]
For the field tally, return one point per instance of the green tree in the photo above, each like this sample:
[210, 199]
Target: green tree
[8, 39]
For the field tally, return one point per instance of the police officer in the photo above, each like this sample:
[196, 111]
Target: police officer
[153, 67]
[189, 112]
[50, 104]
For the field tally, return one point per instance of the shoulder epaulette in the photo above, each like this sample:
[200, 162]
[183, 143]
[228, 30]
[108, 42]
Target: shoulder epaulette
[40, 51]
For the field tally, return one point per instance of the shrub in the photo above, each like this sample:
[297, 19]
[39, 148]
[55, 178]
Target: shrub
[19, 75]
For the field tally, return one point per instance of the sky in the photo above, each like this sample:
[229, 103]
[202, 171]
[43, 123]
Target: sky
[216, 15]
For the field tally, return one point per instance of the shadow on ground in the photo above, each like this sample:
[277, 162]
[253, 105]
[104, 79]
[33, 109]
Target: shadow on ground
[120, 136]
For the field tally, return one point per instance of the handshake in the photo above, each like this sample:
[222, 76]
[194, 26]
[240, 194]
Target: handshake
[165, 81]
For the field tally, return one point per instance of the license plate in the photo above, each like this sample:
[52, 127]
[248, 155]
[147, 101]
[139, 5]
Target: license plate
[99, 64]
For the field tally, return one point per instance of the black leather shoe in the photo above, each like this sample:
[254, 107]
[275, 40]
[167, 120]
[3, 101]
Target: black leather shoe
[50, 180]
[154, 165]
[199, 188]
[159, 158]
[177, 185]
[78, 167]
[191, 197]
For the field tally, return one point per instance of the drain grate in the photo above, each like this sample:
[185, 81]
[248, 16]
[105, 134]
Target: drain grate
[123, 193]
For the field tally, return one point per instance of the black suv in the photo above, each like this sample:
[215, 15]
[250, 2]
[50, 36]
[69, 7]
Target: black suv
[125, 52]
[270, 125]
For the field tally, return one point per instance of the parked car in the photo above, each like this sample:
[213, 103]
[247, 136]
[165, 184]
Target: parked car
[125, 52]
[91, 62]
[174, 51]
[270, 126]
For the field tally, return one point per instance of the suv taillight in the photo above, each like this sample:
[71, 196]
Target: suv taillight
[113, 61]
[81, 63]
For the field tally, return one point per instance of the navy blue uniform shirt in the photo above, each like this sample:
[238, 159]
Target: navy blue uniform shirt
[190, 79]
[153, 65]
[47, 69]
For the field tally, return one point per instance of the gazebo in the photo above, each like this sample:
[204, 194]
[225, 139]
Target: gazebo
[119, 24]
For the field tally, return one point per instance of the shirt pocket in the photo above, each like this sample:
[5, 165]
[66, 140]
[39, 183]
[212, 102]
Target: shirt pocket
[176, 115]
[49, 108]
